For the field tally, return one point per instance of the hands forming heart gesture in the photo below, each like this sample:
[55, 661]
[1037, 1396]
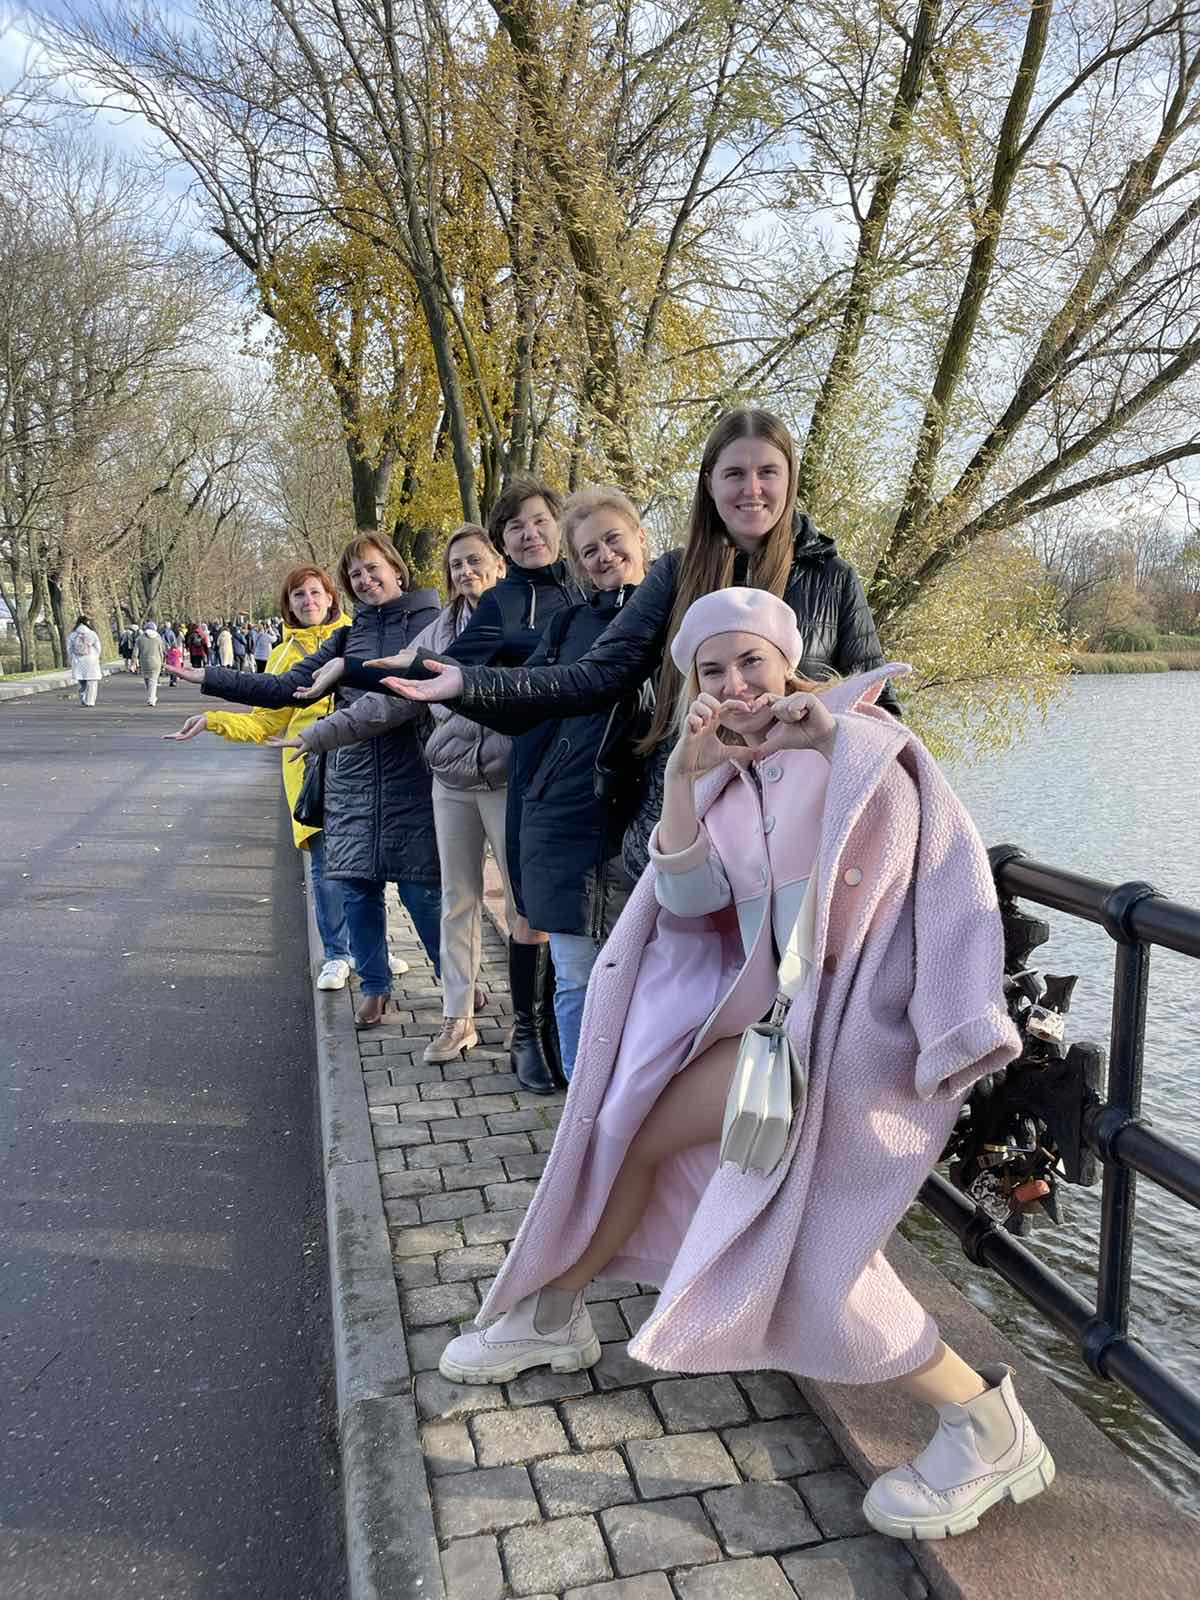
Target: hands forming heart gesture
[798, 722]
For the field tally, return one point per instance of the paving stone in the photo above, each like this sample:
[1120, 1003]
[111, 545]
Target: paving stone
[391, 1161]
[494, 1227]
[607, 1321]
[428, 1111]
[609, 1289]
[682, 1463]
[759, 1579]
[404, 1133]
[483, 1501]
[525, 1166]
[401, 1213]
[472, 1572]
[442, 1302]
[462, 1128]
[474, 1175]
[767, 1450]
[646, 1586]
[611, 1419]
[515, 1122]
[772, 1394]
[637, 1309]
[424, 1241]
[663, 1533]
[539, 1384]
[416, 1272]
[390, 1094]
[509, 1196]
[406, 1185]
[438, 1091]
[553, 1555]
[687, 1404]
[439, 1400]
[503, 1438]
[381, 1113]
[754, 1518]
[616, 1368]
[543, 1138]
[374, 1080]
[459, 1266]
[458, 1203]
[873, 1568]
[486, 1105]
[499, 1144]
[571, 1485]
[438, 1155]
[447, 1448]
[425, 1345]
[835, 1501]
[415, 1072]
[495, 1083]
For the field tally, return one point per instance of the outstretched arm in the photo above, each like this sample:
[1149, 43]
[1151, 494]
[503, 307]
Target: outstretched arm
[267, 688]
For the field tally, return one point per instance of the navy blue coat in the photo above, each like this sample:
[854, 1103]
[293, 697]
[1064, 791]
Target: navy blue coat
[379, 793]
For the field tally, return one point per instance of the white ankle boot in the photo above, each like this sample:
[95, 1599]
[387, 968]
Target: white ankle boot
[981, 1452]
[513, 1343]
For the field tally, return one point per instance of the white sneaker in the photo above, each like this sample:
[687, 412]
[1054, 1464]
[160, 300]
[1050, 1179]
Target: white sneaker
[512, 1344]
[397, 964]
[982, 1453]
[333, 975]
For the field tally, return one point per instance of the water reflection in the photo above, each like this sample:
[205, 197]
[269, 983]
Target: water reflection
[1107, 786]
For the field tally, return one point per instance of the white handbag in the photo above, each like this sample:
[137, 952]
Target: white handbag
[769, 1088]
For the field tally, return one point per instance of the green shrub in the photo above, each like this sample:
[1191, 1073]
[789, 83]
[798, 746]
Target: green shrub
[1118, 641]
[1098, 662]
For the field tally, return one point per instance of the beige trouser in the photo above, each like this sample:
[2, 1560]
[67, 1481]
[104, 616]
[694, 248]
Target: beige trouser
[465, 819]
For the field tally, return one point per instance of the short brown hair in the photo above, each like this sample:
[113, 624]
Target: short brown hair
[513, 496]
[293, 580]
[357, 549]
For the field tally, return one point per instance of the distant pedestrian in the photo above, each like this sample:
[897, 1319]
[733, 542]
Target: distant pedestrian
[172, 657]
[225, 646]
[195, 642]
[83, 652]
[127, 647]
[149, 654]
[238, 636]
[262, 643]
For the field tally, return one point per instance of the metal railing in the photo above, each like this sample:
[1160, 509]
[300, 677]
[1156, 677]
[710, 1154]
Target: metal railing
[1137, 918]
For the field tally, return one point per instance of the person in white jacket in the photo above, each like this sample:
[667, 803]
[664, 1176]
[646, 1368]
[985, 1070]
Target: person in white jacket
[83, 652]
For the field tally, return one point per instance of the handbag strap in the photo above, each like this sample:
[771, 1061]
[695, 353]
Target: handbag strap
[796, 962]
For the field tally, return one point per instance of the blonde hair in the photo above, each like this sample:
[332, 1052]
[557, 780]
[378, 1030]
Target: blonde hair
[580, 507]
[708, 553]
[793, 683]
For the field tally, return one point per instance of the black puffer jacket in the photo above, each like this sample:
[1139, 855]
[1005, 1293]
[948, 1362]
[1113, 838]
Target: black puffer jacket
[823, 590]
[571, 877]
[378, 794]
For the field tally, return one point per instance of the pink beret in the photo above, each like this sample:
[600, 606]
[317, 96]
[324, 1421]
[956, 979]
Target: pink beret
[737, 611]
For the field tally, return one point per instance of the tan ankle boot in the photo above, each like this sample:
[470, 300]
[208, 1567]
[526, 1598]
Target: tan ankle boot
[456, 1038]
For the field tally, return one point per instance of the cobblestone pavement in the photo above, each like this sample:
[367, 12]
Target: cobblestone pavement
[621, 1483]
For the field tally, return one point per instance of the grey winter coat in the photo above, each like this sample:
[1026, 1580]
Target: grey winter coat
[148, 652]
[459, 753]
[379, 794]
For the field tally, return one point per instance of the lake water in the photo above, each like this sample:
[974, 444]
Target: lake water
[1109, 785]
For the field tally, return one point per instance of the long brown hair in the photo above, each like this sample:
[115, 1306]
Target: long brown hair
[709, 553]
[465, 530]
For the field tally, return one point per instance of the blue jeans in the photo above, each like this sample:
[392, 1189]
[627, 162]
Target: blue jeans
[366, 917]
[574, 956]
[328, 904]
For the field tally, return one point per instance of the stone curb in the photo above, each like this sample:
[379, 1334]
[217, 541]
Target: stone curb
[50, 680]
[391, 1548]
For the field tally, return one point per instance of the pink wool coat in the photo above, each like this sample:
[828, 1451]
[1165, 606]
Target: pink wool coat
[903, 1012]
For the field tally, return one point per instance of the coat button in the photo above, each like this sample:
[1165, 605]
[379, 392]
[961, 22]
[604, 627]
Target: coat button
[852, 876]
[830, 963]
[768, 824]
[772, 773]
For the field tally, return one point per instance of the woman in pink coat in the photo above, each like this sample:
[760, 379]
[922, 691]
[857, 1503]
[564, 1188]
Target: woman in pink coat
[807, 840]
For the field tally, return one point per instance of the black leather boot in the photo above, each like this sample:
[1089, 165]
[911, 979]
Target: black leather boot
[527, 965]
[550, 1046]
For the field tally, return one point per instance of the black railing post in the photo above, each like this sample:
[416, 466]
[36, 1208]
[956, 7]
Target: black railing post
[1130, 984]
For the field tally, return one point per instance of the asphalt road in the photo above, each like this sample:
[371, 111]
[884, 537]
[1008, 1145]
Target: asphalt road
[166, 1406]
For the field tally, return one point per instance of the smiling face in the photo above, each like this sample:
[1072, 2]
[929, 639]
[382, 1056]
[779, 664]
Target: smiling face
[473, 567]
[531, 537]
[741, 666]
[373, 578]
[310, 601]
[749, 488]
[610, 550]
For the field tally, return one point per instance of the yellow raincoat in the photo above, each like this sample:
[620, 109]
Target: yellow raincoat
[256, 727]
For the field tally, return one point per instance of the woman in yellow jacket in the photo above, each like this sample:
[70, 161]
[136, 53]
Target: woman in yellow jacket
[309, 606]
